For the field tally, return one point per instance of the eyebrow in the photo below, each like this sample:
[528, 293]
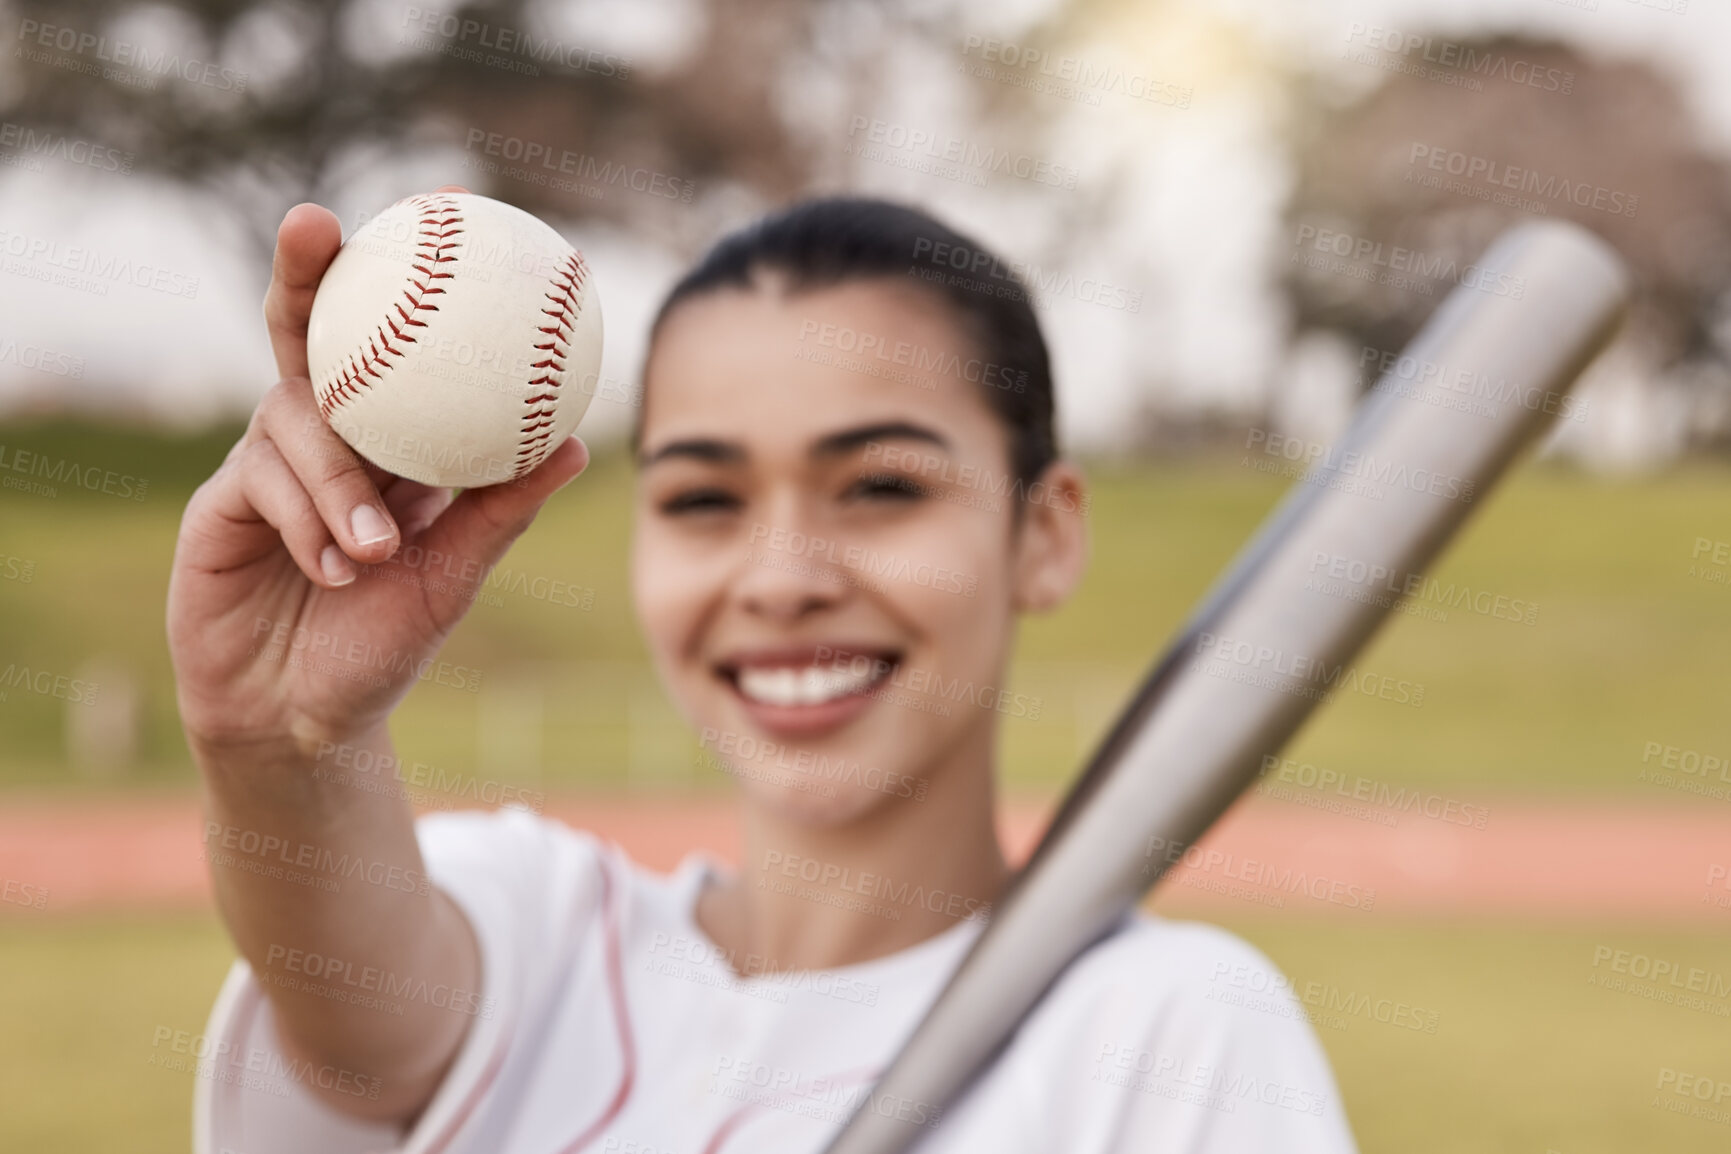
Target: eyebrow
[714, 452]
[703, 449]
[846, 441]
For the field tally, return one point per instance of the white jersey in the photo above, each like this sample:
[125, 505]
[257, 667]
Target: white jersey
[609, 1022]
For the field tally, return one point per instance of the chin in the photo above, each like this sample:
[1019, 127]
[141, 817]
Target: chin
[818, 804]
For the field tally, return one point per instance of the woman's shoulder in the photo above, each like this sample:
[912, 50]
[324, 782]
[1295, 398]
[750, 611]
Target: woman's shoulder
[519, 853]
[1146, 1032]
[1175, 979]
[1171, 954]
[481, 822]
[504, 843]
[505, 822]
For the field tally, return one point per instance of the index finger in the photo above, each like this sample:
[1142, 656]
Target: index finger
[306, 243]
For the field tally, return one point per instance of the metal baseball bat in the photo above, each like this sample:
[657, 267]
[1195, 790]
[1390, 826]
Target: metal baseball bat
[1270, 641]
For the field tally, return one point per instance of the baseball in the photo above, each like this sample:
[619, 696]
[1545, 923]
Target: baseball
[455, 340]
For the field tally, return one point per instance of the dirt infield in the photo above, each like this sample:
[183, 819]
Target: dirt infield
[1564, 860]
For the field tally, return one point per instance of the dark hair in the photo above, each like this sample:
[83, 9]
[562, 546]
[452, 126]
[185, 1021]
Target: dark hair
[828, 241]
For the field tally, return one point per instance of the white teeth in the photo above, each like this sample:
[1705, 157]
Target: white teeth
[808, 686]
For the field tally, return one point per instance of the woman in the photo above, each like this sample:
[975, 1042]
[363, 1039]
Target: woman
[849, 491]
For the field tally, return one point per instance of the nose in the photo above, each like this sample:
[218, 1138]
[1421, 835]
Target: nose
[789, 574]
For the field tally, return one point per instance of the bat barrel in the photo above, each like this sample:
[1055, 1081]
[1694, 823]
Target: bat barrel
[1273, 639]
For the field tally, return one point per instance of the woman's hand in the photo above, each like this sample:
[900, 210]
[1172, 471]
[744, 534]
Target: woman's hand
[280, 639]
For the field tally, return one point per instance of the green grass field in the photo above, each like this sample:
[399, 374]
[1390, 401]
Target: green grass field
[1627, 645]
[1526, 1057]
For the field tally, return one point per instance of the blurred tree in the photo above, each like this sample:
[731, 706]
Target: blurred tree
[1401, 187]
[299, 93]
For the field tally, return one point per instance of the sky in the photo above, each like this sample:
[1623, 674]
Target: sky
[1178, 308]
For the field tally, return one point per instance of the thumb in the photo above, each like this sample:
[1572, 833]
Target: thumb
[481, 525]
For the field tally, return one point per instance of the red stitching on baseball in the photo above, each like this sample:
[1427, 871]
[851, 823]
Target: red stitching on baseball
[440, 221]
[535, 438]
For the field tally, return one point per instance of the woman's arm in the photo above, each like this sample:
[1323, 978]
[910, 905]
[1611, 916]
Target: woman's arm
[286, 655]
[324, 891]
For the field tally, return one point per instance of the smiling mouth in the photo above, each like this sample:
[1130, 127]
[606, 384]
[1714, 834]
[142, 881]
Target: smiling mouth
[784, 686]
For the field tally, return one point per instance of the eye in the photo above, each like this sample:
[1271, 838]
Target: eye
[705, 500]
[889, 487]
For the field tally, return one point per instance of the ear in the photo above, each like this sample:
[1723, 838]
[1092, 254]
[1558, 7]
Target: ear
[1051, 547]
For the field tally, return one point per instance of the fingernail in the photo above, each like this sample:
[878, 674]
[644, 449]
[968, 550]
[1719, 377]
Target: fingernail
[336, 566]
[369, 525]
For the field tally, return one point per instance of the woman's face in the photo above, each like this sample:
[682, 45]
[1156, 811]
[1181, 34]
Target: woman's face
[826, 564]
